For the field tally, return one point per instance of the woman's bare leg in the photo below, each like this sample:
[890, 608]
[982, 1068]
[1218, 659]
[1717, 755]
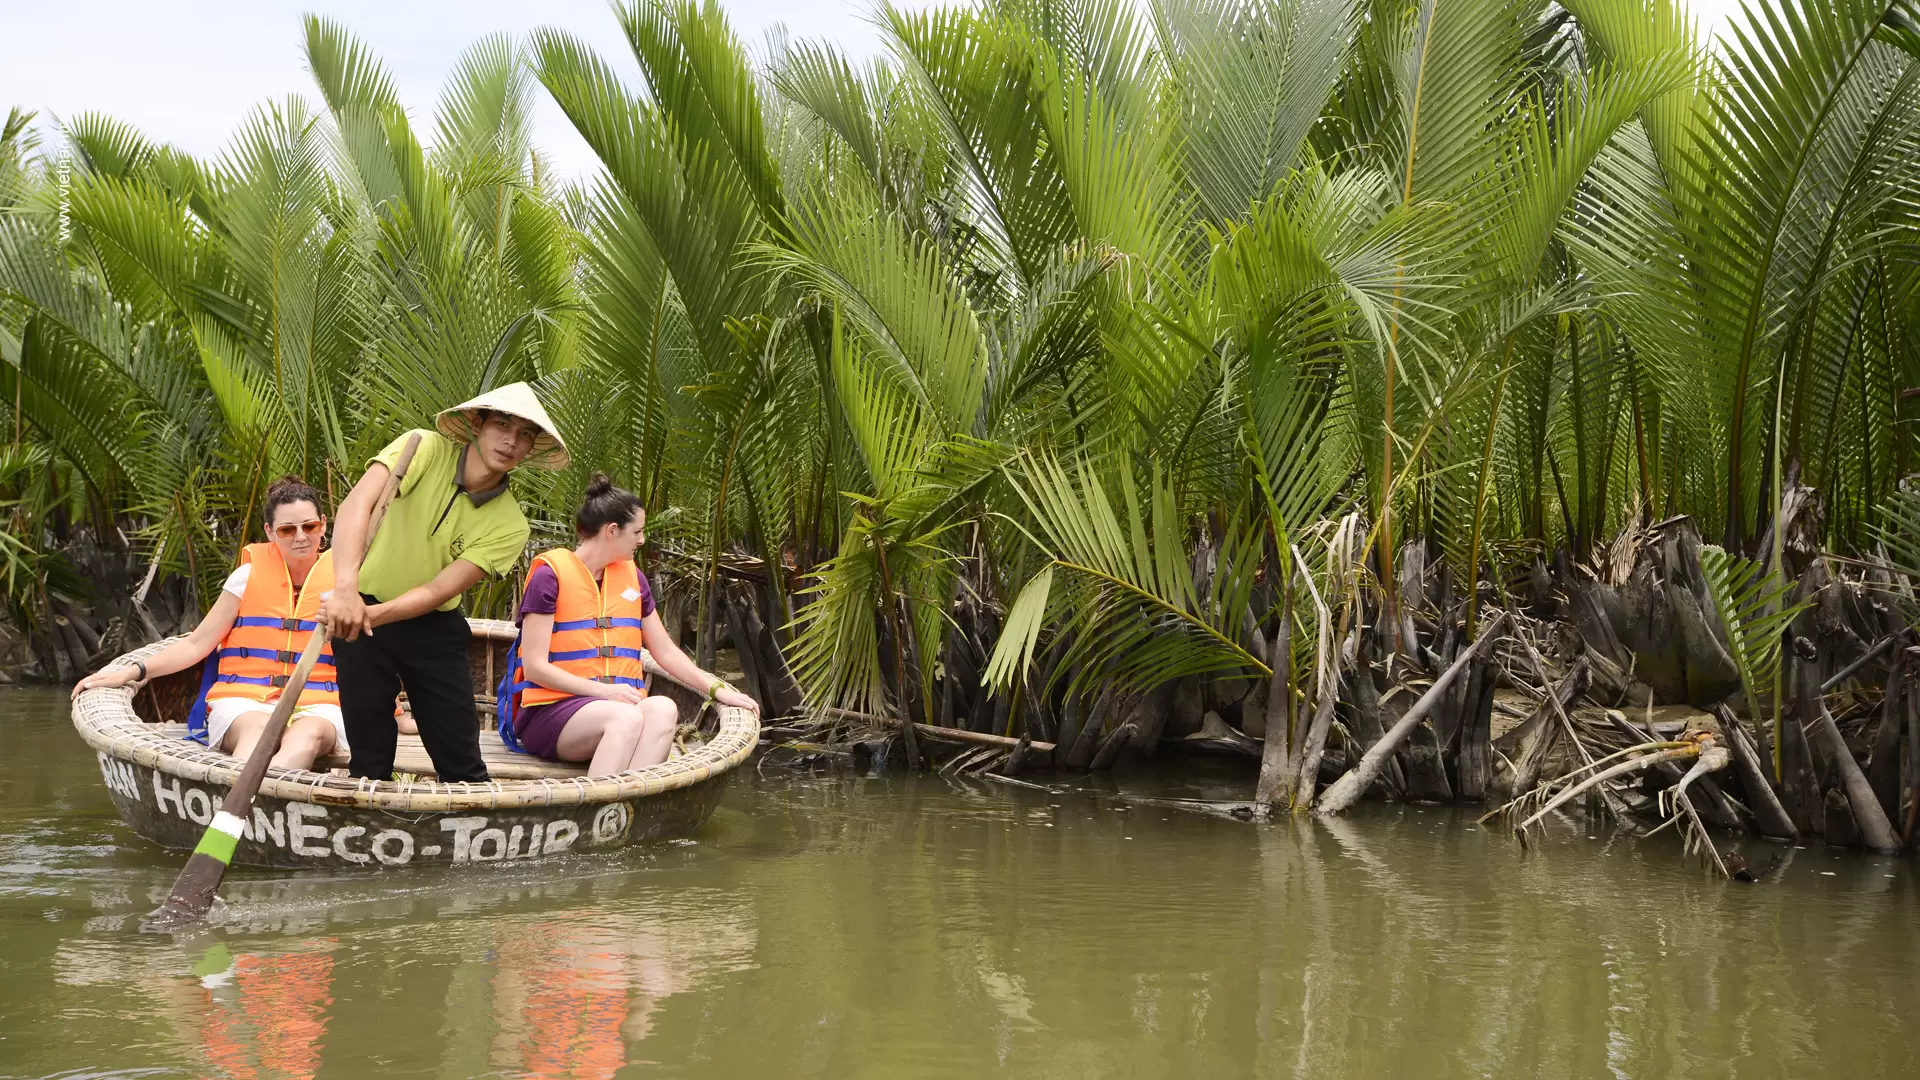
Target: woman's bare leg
[661, 720]
[603, 734]
[243, 733]
[307, 739]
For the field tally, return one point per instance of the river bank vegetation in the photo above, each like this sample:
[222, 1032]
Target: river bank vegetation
[1323, 378]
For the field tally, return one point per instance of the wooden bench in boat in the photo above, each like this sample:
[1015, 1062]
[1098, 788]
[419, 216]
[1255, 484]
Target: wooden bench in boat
[411, 757]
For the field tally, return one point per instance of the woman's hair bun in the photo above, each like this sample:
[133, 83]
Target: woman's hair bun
[605, 505]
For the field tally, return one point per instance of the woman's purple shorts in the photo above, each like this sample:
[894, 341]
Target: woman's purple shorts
[540, 726]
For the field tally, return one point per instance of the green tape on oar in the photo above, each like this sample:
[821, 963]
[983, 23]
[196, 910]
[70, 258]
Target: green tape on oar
[221, 838]
[218, 845]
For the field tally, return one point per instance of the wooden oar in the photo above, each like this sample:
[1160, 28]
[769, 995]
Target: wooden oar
[199, 880]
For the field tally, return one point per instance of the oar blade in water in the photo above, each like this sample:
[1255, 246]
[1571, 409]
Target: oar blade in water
[192, 895]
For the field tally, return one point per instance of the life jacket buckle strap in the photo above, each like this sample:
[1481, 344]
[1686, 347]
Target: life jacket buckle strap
[603, 623]
[277, 680]
[604, 651]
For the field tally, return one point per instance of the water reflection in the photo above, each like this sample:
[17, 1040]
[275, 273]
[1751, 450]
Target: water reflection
[571, 999]
[572, 992]
[266, 1018]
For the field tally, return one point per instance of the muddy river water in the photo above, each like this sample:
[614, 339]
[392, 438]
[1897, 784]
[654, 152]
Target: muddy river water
[839, 925]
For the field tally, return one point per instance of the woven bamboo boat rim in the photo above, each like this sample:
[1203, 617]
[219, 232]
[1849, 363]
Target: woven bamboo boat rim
[106, 719]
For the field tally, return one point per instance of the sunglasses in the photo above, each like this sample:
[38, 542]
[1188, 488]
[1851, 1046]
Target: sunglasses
[310, 528]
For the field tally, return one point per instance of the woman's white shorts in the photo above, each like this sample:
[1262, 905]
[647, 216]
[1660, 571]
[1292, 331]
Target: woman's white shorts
[222, 712]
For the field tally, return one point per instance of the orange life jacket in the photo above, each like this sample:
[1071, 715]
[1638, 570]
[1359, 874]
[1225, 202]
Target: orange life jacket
[273, 628]
[596, 627]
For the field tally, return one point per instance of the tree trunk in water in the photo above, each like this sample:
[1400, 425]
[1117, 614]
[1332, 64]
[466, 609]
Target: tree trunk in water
[783, 692]
[1110, 747]
[76, 647]
[1349, 788]
[1307, 777]
[89, 641]
[1799, 790]
[1018, 760]
[1367, 728]
[1875, 830]
[1911, 702]
[899, 627]
[1883, 767]
[1274, 773]
[1426, 767]
[1449, 717]
[45, 648]
[706, 643]
[1000, 720]
[1080, 756]
[1149, 718]
[1475, 759]
[1073, 713]
[1541, 731]
[1837, 826]
[743, 649]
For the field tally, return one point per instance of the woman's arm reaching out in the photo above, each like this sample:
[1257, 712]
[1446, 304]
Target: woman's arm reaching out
[676, 663]
[178, 656]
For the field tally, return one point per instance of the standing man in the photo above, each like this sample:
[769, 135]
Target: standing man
[394, 612]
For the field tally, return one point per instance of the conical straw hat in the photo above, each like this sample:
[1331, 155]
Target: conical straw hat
[516, 399]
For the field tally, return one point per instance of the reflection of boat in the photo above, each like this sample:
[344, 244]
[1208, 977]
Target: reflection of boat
[526, 973]
[167, 788]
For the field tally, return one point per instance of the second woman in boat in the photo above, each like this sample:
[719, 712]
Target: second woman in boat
[576, 690]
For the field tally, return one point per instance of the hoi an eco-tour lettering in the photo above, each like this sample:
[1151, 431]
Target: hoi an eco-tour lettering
[304, 829]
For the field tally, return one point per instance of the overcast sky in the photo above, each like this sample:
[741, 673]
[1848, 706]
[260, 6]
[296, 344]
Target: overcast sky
[189, 71]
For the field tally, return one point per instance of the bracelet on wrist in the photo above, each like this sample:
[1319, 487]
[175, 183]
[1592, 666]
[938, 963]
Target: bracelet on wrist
[714, 688]
[141, 666]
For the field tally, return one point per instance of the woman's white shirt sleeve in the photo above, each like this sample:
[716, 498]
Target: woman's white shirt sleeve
[237, 581]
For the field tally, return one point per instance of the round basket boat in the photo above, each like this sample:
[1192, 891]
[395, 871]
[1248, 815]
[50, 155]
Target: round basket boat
[167, 787]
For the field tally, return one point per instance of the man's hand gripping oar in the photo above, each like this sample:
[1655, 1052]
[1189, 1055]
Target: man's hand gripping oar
[199, 880]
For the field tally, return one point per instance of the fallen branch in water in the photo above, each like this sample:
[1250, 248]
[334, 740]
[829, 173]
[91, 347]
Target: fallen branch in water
[1349, 788]
[1769, 815]
[1712, 759]
[1859, 662]
[978, 738]
[1662, 751]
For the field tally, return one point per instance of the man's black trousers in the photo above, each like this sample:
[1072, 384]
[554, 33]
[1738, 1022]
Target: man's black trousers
[427, 655]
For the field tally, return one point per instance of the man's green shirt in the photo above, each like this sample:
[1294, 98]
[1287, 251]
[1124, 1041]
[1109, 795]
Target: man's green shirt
[433, 520]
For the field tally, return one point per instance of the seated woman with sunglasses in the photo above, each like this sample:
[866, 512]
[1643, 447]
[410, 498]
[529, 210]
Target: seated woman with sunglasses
[261, 623]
